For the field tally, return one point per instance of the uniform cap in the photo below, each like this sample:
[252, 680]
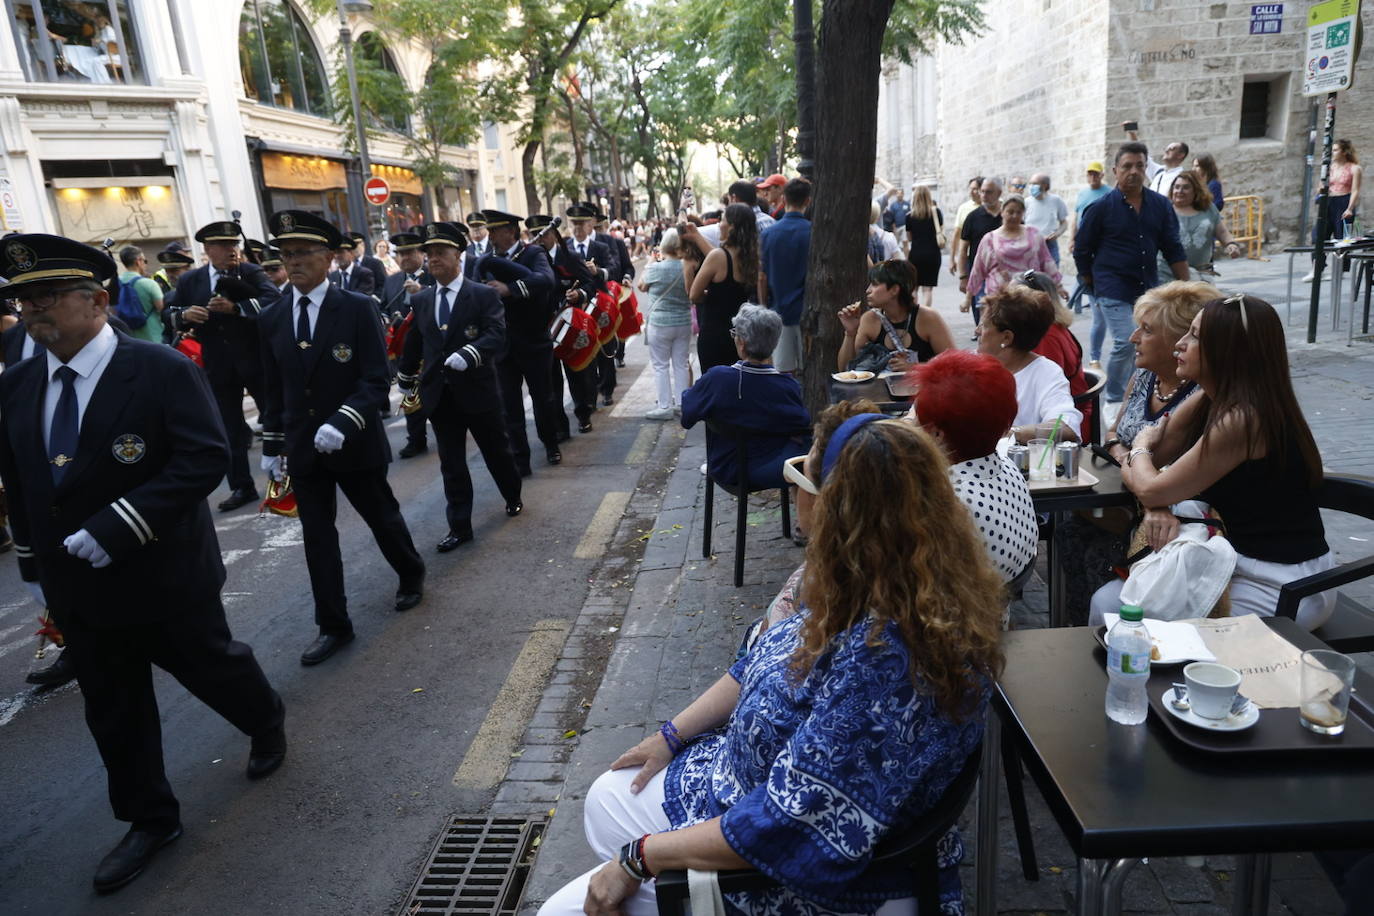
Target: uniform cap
[540, 223]
[356, 238]
[271, 257]
[476, 220]
[579, 212]
[225, 230]
[254, 248]
[405, 241]
[497, 218]
[174, 254]
[30, 259]
[298, 224]
[454, 234]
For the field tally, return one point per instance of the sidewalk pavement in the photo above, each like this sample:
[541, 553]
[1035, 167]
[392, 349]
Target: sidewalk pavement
[680, 621]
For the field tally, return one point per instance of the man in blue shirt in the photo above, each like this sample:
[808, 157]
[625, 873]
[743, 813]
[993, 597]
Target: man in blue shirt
[782, 271]
[1118, 240]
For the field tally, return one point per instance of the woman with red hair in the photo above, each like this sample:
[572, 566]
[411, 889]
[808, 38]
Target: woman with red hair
[967, 401]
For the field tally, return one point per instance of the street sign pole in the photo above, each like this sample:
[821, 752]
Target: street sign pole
[1323, 219]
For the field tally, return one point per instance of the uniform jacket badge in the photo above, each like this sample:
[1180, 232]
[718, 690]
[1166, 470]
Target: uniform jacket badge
[129, 448]
[471, 331]
[342, 352]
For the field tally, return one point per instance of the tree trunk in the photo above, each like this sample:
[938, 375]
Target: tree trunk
[527, 173]
[803, 36]
[850, 56]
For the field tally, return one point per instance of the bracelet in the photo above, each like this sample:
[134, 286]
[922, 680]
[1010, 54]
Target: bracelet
[1130, 459]
[632, 860]
[670, 735]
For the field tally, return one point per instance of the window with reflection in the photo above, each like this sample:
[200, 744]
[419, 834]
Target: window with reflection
[383, 91]
[75, 41]
[278, 60]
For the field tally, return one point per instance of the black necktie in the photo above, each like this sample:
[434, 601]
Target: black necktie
[582, 249]
[65, 425]
[444, 311]
[303, 324]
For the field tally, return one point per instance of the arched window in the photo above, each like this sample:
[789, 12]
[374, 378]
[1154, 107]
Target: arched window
[278, 60]
[383, 91]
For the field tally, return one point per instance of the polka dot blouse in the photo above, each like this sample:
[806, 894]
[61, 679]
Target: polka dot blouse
[1000, 502]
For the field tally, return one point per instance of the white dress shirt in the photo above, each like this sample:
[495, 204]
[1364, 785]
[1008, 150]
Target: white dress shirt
[453, 289]
[316, 296]
[89, 364]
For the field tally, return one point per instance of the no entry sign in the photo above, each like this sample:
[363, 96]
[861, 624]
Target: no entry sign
[376, 190]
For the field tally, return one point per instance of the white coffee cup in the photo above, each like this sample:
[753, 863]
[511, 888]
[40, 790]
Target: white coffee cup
[1211, 688]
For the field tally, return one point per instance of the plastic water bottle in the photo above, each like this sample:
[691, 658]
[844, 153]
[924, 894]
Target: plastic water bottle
[1128, 668]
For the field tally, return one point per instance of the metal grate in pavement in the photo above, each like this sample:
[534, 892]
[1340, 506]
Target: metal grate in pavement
[479, 866]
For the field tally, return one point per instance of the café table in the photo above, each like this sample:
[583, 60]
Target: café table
[1058, 503]
[875, 389]
[1121, 793]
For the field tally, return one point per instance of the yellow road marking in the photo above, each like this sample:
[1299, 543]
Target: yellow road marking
[602, 526]
[639, 452]
[484, 765]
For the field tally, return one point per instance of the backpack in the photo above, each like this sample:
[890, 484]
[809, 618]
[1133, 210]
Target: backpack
[875, 247]
[129, 307]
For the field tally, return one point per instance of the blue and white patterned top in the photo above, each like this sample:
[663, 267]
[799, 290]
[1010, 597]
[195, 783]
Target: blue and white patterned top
[809, 777]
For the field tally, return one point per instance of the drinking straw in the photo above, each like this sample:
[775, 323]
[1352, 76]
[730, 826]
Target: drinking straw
[1054, 434]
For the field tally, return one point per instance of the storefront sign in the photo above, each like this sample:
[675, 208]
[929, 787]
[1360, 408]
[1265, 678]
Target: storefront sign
[400, 180]
[1266, 19]
[126, 214]
[302, 173]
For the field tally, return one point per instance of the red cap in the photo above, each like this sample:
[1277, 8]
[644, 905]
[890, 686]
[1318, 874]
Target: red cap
[773, 181]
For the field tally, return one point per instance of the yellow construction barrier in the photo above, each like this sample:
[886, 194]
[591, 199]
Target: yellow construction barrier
[1244, 218]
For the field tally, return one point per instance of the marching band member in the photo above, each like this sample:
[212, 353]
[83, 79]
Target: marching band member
[396, 297]
[457, 334]
[326, 380]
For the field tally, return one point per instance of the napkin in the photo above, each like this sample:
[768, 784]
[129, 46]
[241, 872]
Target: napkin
[1177, 640]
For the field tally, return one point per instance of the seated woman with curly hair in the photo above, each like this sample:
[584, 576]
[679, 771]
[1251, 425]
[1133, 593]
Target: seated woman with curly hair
[864, 706]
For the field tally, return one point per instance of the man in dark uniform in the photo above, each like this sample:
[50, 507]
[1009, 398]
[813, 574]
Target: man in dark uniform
[611, 270]
[351, 276]
[371, 262]
[275, 268]
[400, 288]
[327, 378]
[480, 246]
[626, 267]
[173, 260]
[108, 448]
[458, 332]
[221, 301]
[576, 285]
[523, 278]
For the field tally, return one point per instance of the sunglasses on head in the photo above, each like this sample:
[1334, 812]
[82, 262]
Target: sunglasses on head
[793, 472]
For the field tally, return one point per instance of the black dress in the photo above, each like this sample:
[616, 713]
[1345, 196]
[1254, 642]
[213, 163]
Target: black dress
[715, 346]
[925, 249]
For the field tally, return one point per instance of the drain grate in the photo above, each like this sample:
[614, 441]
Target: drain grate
[479, 866]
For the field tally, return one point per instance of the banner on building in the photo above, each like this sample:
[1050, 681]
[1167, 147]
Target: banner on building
[302, 173]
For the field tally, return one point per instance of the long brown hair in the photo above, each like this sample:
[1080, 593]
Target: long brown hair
[1247, 365]
[1206, 167]
[922, 206]
[890, 542]
[1202, 198]
[744, 238]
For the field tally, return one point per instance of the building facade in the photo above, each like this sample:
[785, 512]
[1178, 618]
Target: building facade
[137, 120]
[1046, 85]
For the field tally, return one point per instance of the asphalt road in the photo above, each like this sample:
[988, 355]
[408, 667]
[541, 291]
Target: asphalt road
[376, 733]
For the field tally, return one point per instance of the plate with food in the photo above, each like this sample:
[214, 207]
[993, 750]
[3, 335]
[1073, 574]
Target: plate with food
[853, 376]
[1172, 642]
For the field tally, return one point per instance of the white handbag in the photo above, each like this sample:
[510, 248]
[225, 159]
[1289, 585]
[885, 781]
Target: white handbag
[703, 889]
[1186, 577]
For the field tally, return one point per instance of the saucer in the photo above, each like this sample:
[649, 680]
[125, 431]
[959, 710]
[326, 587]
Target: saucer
[1237, 723]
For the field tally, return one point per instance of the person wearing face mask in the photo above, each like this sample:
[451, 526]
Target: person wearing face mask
[1046, 213]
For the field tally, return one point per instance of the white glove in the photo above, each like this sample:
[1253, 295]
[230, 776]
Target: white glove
[272, 465]
[84, 547]
[328, 439]
[456, 363]
[36, 593]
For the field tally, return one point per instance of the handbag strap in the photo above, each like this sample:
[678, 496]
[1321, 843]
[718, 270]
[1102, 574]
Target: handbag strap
[703, 889]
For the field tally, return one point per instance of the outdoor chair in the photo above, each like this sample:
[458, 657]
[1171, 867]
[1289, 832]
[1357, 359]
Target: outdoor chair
[739, 488]
[915, 845]
[1096, 382]
[1351, 627]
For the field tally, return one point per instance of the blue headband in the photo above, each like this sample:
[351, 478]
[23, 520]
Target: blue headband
[841, 438]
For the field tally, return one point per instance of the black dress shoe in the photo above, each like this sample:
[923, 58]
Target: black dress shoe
[411, 449]
[267, 753]
[407, 597]
[585, 426]
[452, 541]
[55, 675]
[607, 400]
[514, 509]
[240, 497]
[555, 456]
[123, 863]
[324, 646]
[619, 363]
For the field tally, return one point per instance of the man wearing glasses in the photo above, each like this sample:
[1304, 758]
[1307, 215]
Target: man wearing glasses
[107, 478]
[326, 378]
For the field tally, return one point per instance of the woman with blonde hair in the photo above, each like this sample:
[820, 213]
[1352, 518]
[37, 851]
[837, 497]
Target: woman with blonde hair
[867, 701]
[925, 230]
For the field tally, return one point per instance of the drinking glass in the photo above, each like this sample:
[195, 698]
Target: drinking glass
[1041, 459]
[1328, 679]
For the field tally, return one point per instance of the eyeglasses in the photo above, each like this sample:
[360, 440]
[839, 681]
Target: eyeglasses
[300, 254]
[734, 332]
[793, 473]
[48, 298]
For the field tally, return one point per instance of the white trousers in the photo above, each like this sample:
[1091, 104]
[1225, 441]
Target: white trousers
[613, 817]
[668, 348]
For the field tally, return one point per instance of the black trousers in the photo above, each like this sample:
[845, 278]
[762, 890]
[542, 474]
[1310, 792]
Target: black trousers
[114, 668]
[605, 369]
[451, 427]
[228, 394]
[582, 388]
[531, 366]
[415, 428]
[370, 494]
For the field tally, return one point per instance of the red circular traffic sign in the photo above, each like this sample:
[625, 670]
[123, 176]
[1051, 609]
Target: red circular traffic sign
[376, 190]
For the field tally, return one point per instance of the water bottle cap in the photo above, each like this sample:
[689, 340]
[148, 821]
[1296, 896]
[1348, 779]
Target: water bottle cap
[1132, 612]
